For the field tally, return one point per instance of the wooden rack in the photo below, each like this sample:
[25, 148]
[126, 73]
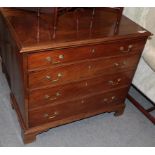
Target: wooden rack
[56, 12]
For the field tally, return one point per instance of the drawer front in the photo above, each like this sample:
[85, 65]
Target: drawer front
[59, 94]
[75, 72]
[84, 105]
[51, 58]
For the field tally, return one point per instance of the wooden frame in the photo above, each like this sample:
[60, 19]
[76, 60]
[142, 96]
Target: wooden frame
[57, 11]
[146, 112]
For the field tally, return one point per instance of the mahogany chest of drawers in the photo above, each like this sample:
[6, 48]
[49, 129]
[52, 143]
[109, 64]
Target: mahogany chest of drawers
[80, 72]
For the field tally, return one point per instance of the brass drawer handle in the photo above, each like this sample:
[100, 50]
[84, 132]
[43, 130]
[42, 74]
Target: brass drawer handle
[49, 59]
[112, 99]
[61, 56]
[58, 77]
[116, 64]
[126, 51]
[120, 65]
[48, 77]
[55, 80]
[51, 116]
[52, 98]
[114, 83]
[56, 62]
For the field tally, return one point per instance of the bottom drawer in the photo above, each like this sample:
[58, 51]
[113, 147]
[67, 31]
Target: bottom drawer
[83, 105]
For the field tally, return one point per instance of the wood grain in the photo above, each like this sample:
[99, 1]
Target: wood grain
[84, 69]
[51, 58]
[63, 93]
[84, 105]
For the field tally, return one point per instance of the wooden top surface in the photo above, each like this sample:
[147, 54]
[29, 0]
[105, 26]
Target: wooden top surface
[69, 32]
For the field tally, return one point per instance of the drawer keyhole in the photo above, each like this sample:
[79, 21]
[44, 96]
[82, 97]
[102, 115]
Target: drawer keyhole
[122, 49]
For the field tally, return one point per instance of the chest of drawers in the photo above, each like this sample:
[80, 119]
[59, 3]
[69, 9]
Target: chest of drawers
[75, 75]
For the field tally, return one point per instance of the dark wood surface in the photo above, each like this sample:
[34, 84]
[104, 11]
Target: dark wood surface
[81, 70]
[24, 28]
[12, 65]
[58, 94]
[116, 48]
[84, 70]
[84, 105]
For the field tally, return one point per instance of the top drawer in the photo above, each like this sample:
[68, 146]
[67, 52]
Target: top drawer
[48, 58]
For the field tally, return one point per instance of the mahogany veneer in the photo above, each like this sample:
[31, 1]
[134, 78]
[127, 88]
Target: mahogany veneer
[81, 67]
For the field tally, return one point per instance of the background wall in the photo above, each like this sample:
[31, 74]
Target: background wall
[144, 78]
